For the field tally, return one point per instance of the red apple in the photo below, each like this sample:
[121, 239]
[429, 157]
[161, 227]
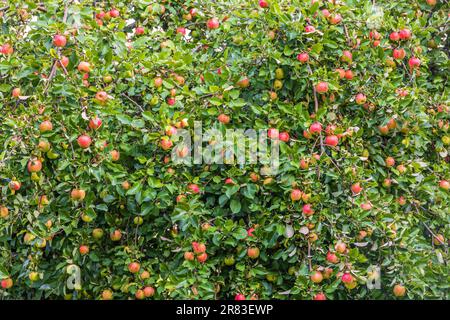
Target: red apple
[34, 165]
[444, 184]
[405, 34]
[134, 267]
[317, 277]
[273, 133]
[284, 136]
[331, 140]
[95, 123]
[399, 54]
[84, 141]
[239, 297]
[83, 250]
[139, 31]
[315, 128]
[320, 296]
[59, 40]
[332, 258]
[360, 98]
[322, 87]
[414, 62]
[77, 194]
[399, 290]
[189, 256]
[253, 252]
[307, 210]
[213, 23]
[296, 195]
[193, 188]
[394, 36]
[347, 278]
[356, 188]
[263, 4]
[303, 57]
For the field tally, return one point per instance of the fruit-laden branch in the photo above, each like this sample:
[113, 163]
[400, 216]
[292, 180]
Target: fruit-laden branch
[55, 62]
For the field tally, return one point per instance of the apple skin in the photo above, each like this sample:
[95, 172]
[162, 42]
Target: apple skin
[134, 267]
[213, 23]
[322, 87]
[59, 40]
[84, 141]
[303, 57]
[399, 290]
[253, 252]
[316, 277]
[239, 297]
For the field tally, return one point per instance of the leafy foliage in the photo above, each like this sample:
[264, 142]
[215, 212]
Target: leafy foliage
[398, 222]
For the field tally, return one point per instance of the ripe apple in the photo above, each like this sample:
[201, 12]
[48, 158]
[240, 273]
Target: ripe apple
[316, 277]
[145, 275]
[414, 62]
[95, 123]
[14, 185]
[171, 101]
[347, 278]
[304, 164]
[315, 128]
[243, 83]
[284, 136]
[399, 290]
[114, 13]
[77, 194]
[431, 2]
[399, 54]
[310, 29]
[101, 96]
[193, 188]
[296, 195]
[189, 256]
[360, 98]
[149, 292]
[181, 30]
[253, 252]
[166, 143]
[45, 126]
[83, 250]
[134, 267]
[15, 92]
[347, 56]
[115, 155]
[307, 210]
[263, 4]
[139, 31]
[273, 133]
[356, 188]
[390, 162]
[320, 296]
[340, 247]
[63, 62]
[332, 140]
[84, 67]
[401, 200]
[394, 36]
[7, 283]
[107, 295]
[158, 82]
[335, 18]
[405, 34]
[59, 40]
[332, 258]
[322, 87]
[34, 165]
[4, 212]
[348, 75]
[84, 141]
[444, 184]
[198, 247]
[212, 23]
[202, 257]
[140, 295]
[239, 297]
[366, 206]
[223, 118]
[303, 57]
